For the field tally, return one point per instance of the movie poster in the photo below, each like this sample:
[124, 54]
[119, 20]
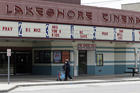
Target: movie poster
[57, 56]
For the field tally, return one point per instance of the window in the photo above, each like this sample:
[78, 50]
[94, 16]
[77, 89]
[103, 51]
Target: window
[42, 56]
[99, 59]
[60, 56]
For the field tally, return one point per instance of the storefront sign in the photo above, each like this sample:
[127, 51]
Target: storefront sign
[8, 28]
[104, 33]
[33, 30]
[59, 31]
[50, 12]
[124, 34]
[121, 18]
[44, 30]
[83, 32]
[45, 12]
[86, 46]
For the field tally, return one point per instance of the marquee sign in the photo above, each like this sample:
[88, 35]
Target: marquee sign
[59, 31]
[33, 30]
[137, 35]
[104, 33]
[8, 28]
[124, 34]
[44, 30]
[83, 32]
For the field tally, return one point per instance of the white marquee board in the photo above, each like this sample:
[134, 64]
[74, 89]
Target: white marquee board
[83, 32]
[43, 30]
[137, 35]
[59, 31]
[104, 33]
[8, 28]
[124, 34]
[33, 29]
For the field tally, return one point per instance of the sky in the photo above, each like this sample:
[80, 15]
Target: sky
[108, 3]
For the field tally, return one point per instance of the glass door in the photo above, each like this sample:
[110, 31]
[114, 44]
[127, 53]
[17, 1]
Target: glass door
[23, 62]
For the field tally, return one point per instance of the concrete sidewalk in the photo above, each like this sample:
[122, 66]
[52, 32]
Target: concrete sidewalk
[32, 80]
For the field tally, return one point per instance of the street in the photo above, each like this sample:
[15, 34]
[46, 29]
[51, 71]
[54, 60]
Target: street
[112, 87]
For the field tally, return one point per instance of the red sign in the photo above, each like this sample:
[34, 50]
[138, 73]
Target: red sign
[86, 46]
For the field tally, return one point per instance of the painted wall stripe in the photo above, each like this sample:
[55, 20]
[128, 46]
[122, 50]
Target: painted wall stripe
[132, 61]
[116, 51]
[54, 47]
[116, 47]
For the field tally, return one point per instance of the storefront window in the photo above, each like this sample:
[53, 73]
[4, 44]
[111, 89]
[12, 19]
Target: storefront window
[99, 59]
[42, 56]
[60, 56]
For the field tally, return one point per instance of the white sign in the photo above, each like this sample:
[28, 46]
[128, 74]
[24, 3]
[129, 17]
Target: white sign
[8, 52]
[33, 30]
[104, 33]
[83, 32]
[8, 28]
[43, 30]
[59, 31]
[137, 35]
[124, 34]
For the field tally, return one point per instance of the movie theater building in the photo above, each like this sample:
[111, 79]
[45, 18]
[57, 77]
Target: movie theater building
[42, 34]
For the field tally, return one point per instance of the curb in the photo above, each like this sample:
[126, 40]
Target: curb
[62, 83]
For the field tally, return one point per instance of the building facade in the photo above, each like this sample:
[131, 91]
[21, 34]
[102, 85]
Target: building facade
[42, 34]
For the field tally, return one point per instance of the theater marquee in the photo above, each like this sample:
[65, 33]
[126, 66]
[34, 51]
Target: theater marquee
[62, 31]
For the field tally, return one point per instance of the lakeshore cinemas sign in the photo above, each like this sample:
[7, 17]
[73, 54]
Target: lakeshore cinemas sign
[44, 11]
